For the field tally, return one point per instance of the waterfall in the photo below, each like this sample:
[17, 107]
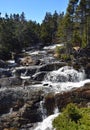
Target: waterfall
[47, 123]
[11, 110]
[43, 110]
[56, 110]
[65, 79]
[59, 80]
[65, 74]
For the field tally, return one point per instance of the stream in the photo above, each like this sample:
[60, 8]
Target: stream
[61, 80]
[30, 84]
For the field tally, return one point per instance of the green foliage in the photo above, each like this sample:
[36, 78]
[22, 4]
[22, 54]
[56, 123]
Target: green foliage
[76, 39]
[61, 31]
[73, 112]
[16, 34]
[59, 50]
[84, 40]
[49, 28]
[72, 28]
[66, 57]
[73, 118]
[61, 53]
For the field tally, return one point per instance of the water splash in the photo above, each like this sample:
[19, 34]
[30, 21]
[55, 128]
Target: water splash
[47, 123]
[65, 74]
[56, 110]
[65, 79]
[43, 110]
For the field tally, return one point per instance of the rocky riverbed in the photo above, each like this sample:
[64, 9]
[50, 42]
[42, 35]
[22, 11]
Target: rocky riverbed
[32, 88]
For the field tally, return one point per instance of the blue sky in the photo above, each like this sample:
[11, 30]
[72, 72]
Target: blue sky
[34, 9]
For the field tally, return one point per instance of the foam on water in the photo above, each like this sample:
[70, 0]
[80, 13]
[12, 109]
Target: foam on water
[65, 74]
[47, 123]
[61, 87]
[65, 79]
[60, 80]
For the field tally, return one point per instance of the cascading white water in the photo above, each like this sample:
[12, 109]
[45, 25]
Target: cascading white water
[65, 74]
[60, 80]
[43, 110]
[56, 110]
[47, 123]
[65, 79]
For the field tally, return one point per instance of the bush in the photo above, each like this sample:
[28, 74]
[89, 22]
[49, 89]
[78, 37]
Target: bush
[60, 50]
[66, 57]
[73, 118]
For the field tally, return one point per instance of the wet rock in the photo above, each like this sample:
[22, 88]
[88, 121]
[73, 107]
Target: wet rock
[39, 76]
[8, 98]
[27, 71]
[32, 113]
[19, 107]
[50, 103]
[18, 104]
[3, 64]
[5, 73]
[10, 82]
[87, 70]
[38, 71]
[80, 96]
[52, 66]
[37, 62]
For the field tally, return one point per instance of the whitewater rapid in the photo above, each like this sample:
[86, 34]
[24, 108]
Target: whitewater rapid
[63, 79]
[47, 123]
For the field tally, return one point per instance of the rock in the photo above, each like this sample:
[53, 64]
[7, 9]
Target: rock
[50, 103]
[5, 73]
[37, 62]
[85, 51]
[87, 70]
[56, 55]
[18, 104]
[28, 71]
[8, 98]
[25, 108]
[3, 64]
[10, 82]
[26, 61]
[39, 76]
[52, 66]
[37, 71]
[79, 96]
[32, 113]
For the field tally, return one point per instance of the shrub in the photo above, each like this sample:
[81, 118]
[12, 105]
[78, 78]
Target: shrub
[73, 118]
[66, 57]
[60, 50]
